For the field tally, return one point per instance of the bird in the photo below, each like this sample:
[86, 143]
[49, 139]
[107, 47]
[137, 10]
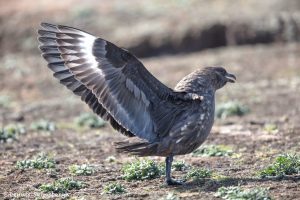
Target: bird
[158, 120]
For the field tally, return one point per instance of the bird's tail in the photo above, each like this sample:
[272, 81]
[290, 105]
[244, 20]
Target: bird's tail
[139, 148]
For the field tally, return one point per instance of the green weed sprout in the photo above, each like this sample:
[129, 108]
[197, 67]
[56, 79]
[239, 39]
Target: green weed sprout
[84, 170]
[198, 174]
[237, 193]
[141, 170]
[213, 150]
[89, 120]
[62, 186]
[43, 125]
[41, 161]
[231, 108]
[11, 132]
[286, 164]
[114, 188]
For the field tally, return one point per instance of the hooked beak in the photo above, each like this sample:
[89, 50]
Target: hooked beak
[230, 78]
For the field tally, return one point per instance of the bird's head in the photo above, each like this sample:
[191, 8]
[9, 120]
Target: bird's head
[218, 76]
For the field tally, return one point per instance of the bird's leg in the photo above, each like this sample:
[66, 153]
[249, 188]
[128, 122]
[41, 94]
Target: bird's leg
[169, 180]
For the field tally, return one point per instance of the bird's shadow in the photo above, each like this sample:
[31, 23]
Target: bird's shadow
[212, 185]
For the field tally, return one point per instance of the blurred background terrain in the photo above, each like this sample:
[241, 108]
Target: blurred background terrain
[256, 40]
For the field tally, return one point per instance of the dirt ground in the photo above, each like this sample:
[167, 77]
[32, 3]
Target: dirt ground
[268, 83]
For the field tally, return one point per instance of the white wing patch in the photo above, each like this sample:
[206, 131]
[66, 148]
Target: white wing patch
[86, 48]
[87, 44]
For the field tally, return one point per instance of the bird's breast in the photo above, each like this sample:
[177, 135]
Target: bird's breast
[192, 128]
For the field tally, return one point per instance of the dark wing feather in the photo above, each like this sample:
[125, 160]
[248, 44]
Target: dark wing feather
[63, 74]
[127, 92]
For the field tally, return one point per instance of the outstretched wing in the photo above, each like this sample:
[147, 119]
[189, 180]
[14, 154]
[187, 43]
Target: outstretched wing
[111, 80]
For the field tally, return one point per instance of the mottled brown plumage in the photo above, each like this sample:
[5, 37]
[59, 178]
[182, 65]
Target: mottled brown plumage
[117, 87]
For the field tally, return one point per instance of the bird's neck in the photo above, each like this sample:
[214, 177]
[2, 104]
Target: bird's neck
[199, 85]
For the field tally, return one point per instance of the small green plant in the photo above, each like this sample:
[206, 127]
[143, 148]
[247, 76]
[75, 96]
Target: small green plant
[43, 125]
[141, 170]
[114, 188]
[83, 170]
[213, 150]
[41, 161]
[89, 120]
[62, 186]
[11, 132]
[271, 128]
[237, 193]
[286, 164]
[198, 174]
[232, 108]
[5, 101]
[180, 166]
